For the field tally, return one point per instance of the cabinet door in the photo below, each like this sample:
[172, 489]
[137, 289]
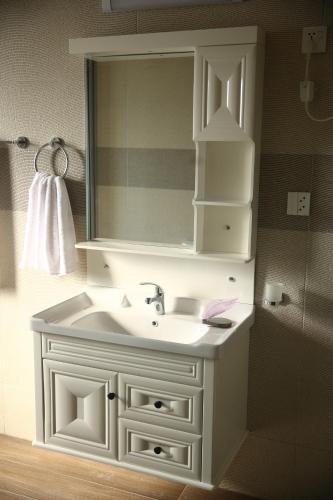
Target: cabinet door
[79, 413]
[224, 93]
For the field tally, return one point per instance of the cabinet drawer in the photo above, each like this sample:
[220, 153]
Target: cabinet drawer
[158, 448]
[161, 403]
[164, 366]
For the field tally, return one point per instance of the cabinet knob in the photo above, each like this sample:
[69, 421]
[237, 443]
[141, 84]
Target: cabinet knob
[158, 404]
[111, 395]
[157, 450]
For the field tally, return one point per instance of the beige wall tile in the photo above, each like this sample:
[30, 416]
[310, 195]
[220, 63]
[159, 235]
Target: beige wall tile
[263, 468]
[285, 128]
[281, 257]
[315, 405]
[277, 335]
[18, 172]
[321, 217]
[279, 174]
[19, 408]
[272, 15]
[314, 474]
[319, 292]
[175, 19]
[321, 72]
[273, 378]
[43, 95]
[315, 397]
[286, 16]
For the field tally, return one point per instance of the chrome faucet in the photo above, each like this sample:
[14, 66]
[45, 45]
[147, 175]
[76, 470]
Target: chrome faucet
[157, 300]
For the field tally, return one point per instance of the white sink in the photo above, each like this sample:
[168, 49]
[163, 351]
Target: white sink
[122, 317]
[128, 322]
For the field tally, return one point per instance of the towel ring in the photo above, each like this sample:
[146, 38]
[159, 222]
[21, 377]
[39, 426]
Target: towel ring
[53, 144]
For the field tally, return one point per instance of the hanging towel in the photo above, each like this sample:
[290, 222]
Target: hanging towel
[49, 243]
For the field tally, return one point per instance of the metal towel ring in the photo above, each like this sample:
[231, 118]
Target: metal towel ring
[54, 143]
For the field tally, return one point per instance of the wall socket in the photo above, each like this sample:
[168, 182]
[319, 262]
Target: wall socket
[314, 40]
[298, 204]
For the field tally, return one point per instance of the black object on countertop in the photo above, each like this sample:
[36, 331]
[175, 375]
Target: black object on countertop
[218, 322]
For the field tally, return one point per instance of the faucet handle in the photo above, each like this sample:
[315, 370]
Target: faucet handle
[158, 288]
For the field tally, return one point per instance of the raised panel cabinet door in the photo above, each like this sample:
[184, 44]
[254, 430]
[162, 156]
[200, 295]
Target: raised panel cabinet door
[224, 93]
[80, 408]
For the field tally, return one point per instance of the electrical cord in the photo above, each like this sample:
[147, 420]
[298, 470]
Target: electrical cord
[306, 104]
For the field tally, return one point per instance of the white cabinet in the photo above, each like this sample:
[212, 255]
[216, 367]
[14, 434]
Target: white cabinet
[227, 111]
[224, 93]
[227, 97]
[173, 415]
[80, 408]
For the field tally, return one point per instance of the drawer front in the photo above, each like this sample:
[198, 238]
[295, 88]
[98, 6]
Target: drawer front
[161, 403]
[164, 366]
[158, 448]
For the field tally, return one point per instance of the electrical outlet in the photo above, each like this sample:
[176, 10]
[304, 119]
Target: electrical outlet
[298, 204]
[303, 204]
[314, 40]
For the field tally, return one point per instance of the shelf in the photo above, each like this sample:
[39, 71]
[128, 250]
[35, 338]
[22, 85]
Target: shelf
[224, 229]
[227, 171]
[158, 250]
[220, 203]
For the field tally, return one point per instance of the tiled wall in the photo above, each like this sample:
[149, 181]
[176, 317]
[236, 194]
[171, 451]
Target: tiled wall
[289, 454]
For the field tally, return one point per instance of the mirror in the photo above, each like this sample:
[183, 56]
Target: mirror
[144, 160]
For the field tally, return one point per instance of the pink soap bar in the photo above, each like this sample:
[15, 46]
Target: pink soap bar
[216, 307]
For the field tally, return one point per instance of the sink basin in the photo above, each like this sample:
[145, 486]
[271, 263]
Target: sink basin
[101, 321]
[122, 317]
[125, 322]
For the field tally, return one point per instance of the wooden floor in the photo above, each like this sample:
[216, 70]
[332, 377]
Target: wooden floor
[32, 473]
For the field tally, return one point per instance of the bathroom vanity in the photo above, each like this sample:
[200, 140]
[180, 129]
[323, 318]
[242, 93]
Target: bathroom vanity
[173, 144]
[119, 384]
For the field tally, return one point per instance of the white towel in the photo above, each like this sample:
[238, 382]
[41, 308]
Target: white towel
[49, 243]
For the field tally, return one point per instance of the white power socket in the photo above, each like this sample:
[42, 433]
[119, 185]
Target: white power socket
[298, 204]
[314, 40]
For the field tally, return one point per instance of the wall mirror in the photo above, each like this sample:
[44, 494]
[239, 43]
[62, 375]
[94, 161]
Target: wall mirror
[173, 142]
[143, 157]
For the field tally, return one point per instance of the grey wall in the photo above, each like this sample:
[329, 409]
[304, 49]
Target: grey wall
[289, 453]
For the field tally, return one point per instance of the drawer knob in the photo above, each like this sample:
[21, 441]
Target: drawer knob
[157, 450]
[111, 395]
[158, 404]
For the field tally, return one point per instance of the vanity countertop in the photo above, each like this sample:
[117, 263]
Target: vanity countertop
[121, 317]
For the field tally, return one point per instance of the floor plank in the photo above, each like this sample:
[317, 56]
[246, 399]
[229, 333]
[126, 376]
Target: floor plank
[79, 469]
[32, 481]
[28, 473]
[7, 495]
[191, 493]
